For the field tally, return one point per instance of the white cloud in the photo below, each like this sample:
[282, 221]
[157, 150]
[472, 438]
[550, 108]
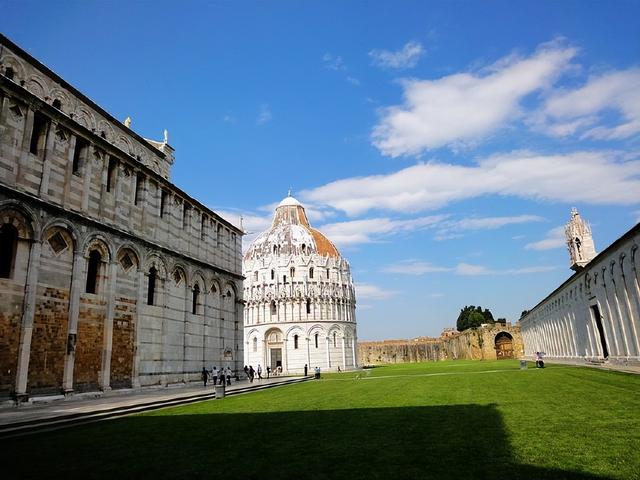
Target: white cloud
[587, 177]
[353, 80]
[372, 292]
[463, 269]
[448, 228]
[333, 62]
[554, 239]
[577, 111]
[252, 224]
[414, 268]
[369, 230]
[465, 107]
[265, 115]
[407, 57]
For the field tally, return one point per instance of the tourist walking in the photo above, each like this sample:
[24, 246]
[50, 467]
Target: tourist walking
[214, 375]
[205, 376]
[246, 371]
[228, 375]
[317, 373]
[221, 376]
[251, 373]
[268, 371]
[259, 372]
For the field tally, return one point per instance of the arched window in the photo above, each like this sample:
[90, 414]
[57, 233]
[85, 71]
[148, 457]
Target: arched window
[57, 104]
[311, 272]
[8, 246]
[284, 279]
[304, 249]
[92, 271]
[327, 273]
[151, 289]
[334, 339]
[255, 344]
[195, 299]
[274, 309]
[295, 342]
[8, 72]
[273, 274]
[111, 173]
[316, 339]
[292, 272]
[255, 276]
[308, 306]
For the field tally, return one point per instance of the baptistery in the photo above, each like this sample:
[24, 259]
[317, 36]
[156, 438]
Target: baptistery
[299, 298]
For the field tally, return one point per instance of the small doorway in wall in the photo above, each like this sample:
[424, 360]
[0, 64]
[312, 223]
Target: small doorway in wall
[276, 358]
[504, 346]
[603, 339]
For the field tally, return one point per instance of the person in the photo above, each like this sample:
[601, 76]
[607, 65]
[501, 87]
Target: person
[268, 370]
[259, 371]
[214, 375]
[228, 376]
[539, 361]
[221, 375]
[246, 371]
[251, 373]
[205, 376]
[305, 369]
[317, 373]
[339, 369]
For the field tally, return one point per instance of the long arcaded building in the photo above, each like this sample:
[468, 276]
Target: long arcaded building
[110, 275]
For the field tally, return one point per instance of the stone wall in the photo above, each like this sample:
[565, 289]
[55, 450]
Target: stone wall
[399, 351]
[110, 275]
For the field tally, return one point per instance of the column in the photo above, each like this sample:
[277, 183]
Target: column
[79, 263]
[105, 383]
[28, 312]
[135, 378]
[308, 353]
[24, 149]
[46, 167]
[354, 348]
[285, 356]
[344, 356]
[328, 354]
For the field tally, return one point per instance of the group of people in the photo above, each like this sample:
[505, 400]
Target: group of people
[218, 377]
[252, 373]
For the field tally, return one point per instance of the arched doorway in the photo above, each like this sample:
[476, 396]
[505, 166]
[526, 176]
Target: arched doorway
[275, 345]
[504, 346]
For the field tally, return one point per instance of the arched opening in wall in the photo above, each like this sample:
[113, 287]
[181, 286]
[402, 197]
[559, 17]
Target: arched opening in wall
[92, 271]
[8, 247]
[316, 339]
[504, 346]
[195, 299]
[9, 73]
[57, 104]
[304, 249]
[327, 273]
[311, 272]
[275, 346]
[151, 288]
[292, 272]
[273, 274]
[603, 339]
[255, 276]
[111, 173]
[284, 279]
[255, 344]
[39, 134]
[335, 344]
[308, 306]
[295, 342]
[274, 308]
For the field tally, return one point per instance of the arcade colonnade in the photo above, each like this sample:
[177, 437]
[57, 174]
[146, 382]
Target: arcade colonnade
[595, 314]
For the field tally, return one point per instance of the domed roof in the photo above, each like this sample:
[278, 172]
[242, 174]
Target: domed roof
[290, 233]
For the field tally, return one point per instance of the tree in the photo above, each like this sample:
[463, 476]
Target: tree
[472, 317]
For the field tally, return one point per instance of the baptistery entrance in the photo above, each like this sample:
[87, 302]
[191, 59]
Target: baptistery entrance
[275, 345]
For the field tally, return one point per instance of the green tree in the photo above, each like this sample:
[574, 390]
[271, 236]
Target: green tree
[472, 317]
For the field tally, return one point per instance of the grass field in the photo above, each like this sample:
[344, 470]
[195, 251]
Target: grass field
[432, 420]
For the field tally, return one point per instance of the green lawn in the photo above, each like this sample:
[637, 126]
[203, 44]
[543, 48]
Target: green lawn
[431, 420]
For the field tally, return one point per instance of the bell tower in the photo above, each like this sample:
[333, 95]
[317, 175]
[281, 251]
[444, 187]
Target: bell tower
[579, 241]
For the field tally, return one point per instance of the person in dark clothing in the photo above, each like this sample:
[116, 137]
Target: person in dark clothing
[268, 371]
[246, 371]
[305, 369]
[251, 373]
[205, 376]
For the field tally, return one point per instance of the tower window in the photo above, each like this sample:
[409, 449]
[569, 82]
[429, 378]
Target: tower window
[308, 306]
[38, 135]
[163, 202]
[92, 271]
[311, 272]
[8, 246]
[292, 272]
[273, 307]
[334, 339]
[327, 273]
[151, 289]
[284, 279]
[194, 302]
[79, 154]
[295, 342]
[111, 173]
[316, 339]
[137, 196]
[273, 274]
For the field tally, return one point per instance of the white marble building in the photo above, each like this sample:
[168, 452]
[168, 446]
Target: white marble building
[299, 298]
[594, 316]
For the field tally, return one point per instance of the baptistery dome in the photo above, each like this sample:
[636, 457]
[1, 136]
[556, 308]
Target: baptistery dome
[299, 296]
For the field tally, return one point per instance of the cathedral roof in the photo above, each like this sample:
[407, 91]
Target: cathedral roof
[291, 234]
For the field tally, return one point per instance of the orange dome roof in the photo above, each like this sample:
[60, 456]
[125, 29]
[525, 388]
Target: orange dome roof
[290, 233]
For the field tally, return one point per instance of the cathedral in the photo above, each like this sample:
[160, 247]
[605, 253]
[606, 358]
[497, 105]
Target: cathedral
[299, 298]
[110, 275]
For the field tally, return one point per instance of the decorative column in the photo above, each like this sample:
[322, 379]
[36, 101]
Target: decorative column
[308, 353]
[344, 355]
[79, 264]
[105, 382]
[28, 312]
[285, 356]
[354, 349]
[135, 377]
[46, 167]
[328, 354]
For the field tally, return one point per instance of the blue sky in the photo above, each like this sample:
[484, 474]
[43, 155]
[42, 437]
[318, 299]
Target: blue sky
[441, 145]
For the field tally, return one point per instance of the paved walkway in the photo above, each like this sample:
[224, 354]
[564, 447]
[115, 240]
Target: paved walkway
[48, 413]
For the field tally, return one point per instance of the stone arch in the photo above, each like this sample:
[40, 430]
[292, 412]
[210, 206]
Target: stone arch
[124, 144]
[230, 290]
[198, 278]
[179, 274]
[294, 329]
[105, 130]
[9, 61]
[62, 97]
[156, 261]
[85, 118]
[503, 342]
[36, 85]
[64, 225]
[98, 242]
[130, 265]
[19, 217]
[316, 328]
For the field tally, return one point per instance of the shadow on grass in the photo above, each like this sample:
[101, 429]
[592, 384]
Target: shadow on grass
[444, 442]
